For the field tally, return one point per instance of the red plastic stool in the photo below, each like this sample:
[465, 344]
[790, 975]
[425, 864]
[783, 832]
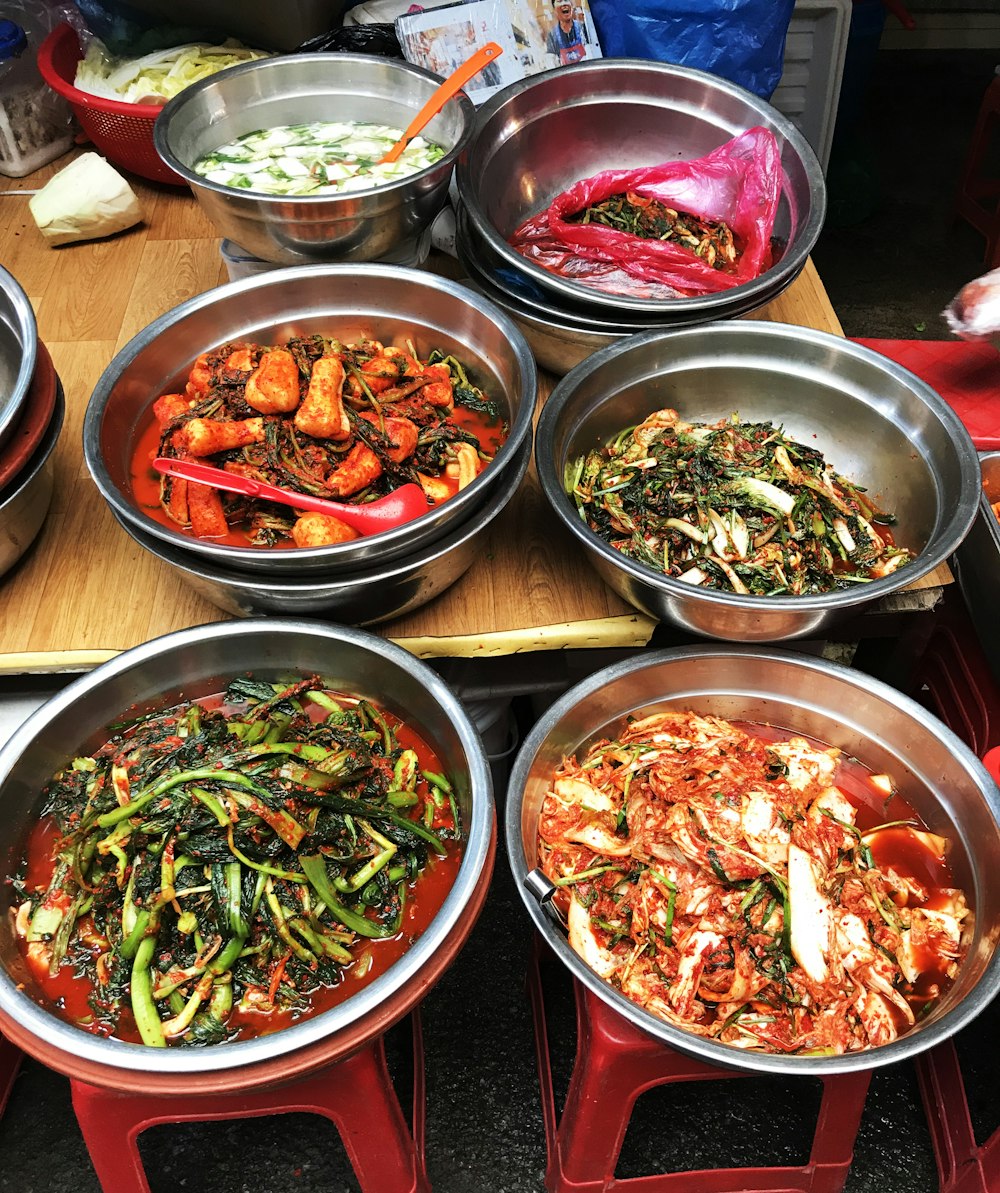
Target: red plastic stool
[10, 1063]
[978, 192]
[616, 1062]
[954, 681]
[356, 1094]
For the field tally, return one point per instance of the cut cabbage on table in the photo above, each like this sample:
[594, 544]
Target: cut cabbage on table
[85, 200]
[157, 77]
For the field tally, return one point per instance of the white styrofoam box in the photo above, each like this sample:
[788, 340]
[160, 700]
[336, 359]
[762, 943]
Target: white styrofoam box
[809, 89]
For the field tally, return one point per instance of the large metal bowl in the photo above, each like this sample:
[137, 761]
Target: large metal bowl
[25, 502]
[361, 598]
[295, 89]
[874, 421]
[977, 563]
[197, 662]
[935, 771]
[383, 302]
[18, 351]
[538, 137]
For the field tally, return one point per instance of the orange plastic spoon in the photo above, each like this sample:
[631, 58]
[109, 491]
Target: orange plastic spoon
[396, 508]
[451, 86]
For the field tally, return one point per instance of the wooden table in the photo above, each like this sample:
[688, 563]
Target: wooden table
[86, 590]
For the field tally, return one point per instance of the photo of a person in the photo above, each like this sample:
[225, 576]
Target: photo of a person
[567, 37]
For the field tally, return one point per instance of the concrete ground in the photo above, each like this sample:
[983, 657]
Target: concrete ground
[891, 258]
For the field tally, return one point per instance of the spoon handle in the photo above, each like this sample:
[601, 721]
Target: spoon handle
[451, 86]
[205, 474]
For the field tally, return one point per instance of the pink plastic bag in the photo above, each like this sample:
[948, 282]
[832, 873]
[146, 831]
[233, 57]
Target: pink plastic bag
[739, 183]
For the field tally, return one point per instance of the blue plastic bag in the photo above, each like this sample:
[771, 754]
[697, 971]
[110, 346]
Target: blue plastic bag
[740, 40]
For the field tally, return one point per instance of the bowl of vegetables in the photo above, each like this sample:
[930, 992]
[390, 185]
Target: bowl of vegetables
[640, 190]
[235, 854]
[343, 382]
[117, 101]
[284, 155]
[754, 481]
[769, 861]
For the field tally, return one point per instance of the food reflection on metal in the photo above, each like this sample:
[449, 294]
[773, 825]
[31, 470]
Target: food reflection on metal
[722, 878]
[733, 506]
[226, 867]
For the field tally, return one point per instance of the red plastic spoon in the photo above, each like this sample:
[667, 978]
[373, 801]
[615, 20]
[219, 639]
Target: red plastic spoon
[396, 508]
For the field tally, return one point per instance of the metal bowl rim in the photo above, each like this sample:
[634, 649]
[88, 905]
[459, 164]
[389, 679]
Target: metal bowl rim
[789, 263]
[251, 558]
[27, 332]
[960, 518]
[316, 582]
[190, 95]
[576, 320]
[106, 1052]
[723, 1055]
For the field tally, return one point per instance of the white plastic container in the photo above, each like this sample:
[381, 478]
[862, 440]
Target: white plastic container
[36, 125]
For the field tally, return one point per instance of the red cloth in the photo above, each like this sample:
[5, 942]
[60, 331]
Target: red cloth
[966, 373]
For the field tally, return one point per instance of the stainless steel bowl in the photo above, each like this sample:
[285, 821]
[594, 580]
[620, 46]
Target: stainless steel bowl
[538, 137]
[546, 304]
[937, 774]
[197, 662]
[874, 421]
[18, 351]
[977, 563]
[294, 89]
[25, 502]
[558, 344]
[383, 302]
[360, 598]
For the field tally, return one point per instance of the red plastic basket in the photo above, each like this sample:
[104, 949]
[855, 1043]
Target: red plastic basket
[122, 132]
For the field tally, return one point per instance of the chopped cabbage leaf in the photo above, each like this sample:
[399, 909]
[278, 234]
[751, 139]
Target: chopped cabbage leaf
[155, 78]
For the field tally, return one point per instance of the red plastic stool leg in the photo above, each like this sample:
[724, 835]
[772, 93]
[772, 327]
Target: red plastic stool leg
[615, 1063]
[956, 1154]
[10, 1063]
[356, 1094]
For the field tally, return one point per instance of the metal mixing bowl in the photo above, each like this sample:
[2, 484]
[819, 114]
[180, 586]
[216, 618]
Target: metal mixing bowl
[18, 351]
[196, 662]
[295, 89]
[557, 343]
[934, 770]
[874, 421]
[382, 302]
[25, 502]
[361, 598]
[538, 137]
[977, 563]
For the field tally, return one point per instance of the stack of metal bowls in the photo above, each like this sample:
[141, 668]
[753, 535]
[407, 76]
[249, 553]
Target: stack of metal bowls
[539, 137]
[937, 774]
[31, 417]
[369, 579]
[192, 664]
[386, 222]
[873, 421]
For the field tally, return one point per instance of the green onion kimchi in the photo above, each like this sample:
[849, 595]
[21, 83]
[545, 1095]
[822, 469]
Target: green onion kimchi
[751, 886]
[734, 506]
[228, 866]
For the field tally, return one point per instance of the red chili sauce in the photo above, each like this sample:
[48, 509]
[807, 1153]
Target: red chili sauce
[892, 848]
[68, 992]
